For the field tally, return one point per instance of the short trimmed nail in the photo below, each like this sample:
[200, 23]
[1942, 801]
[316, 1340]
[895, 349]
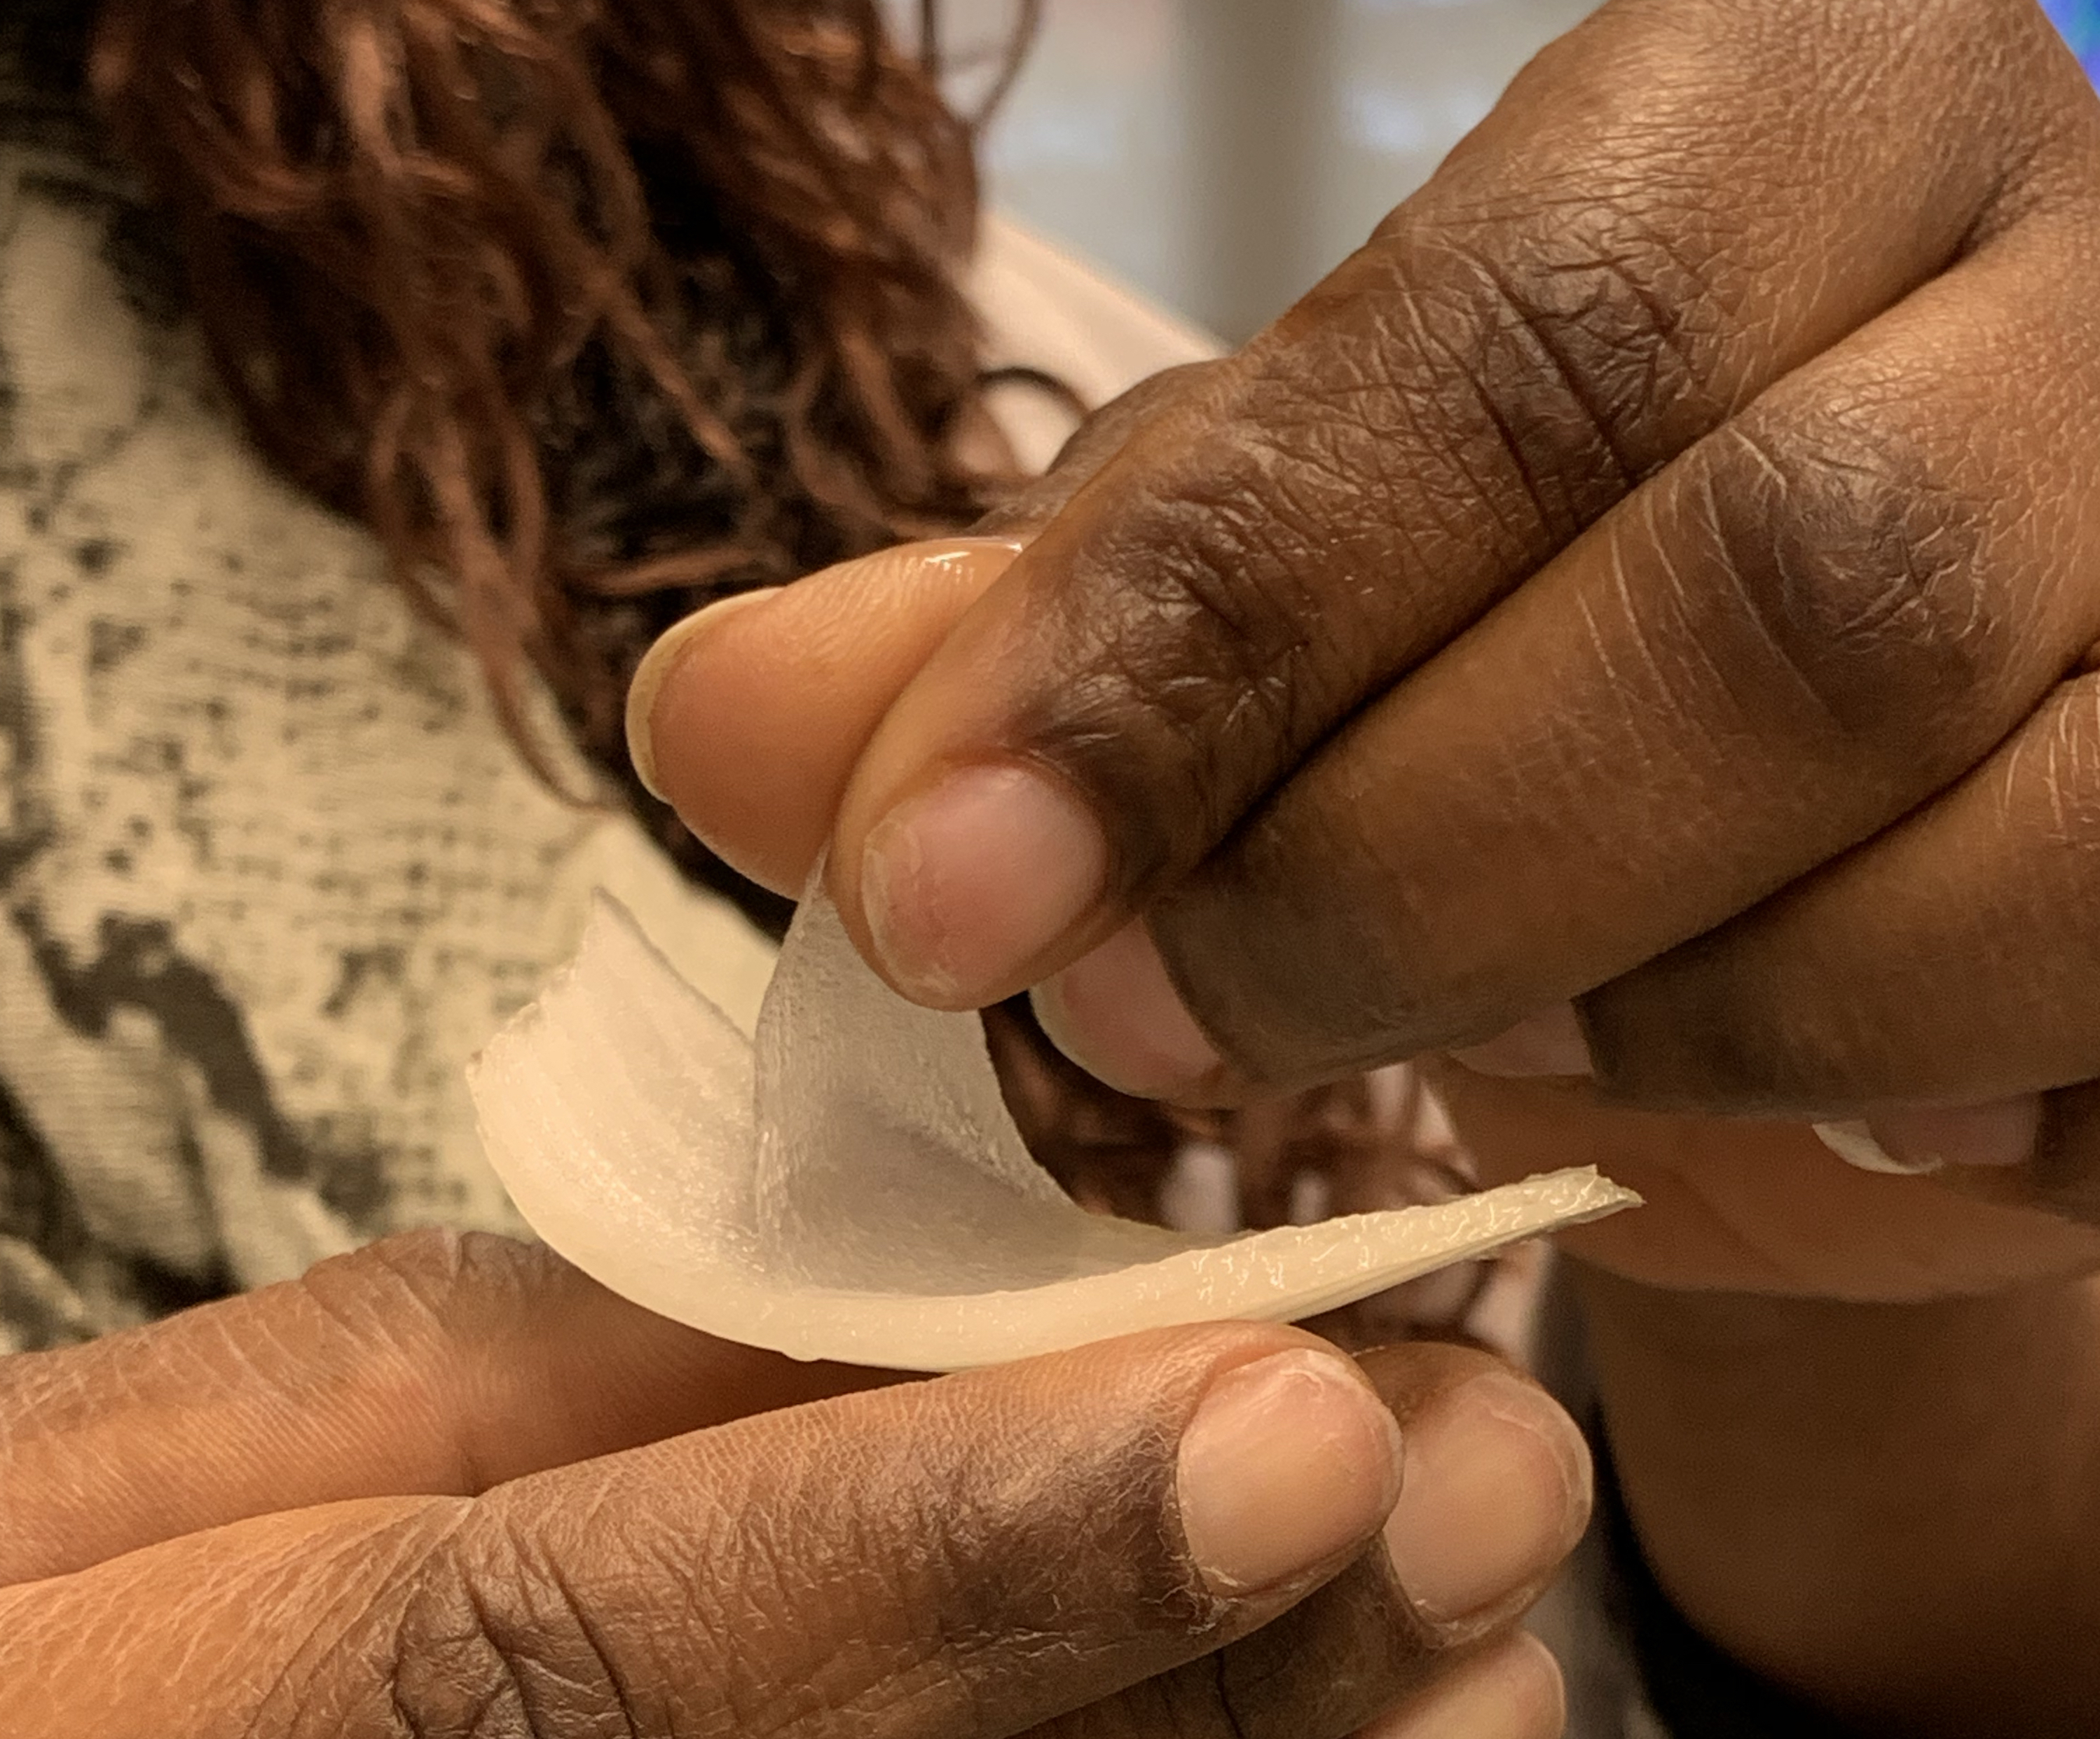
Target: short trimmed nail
[963, 885]
[1116, 1013]
[1289, 1463]
[654, 670]
[1998, 1132]
[1854, 1142]
[1514, 1691]
[1548, 1042]
[1496, 1493]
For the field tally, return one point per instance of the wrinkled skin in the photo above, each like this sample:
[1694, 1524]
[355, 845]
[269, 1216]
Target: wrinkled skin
[449, 1486]
[1659, 574]
[1657, 570]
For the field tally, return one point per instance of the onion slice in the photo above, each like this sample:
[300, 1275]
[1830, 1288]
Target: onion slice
[851, 1187]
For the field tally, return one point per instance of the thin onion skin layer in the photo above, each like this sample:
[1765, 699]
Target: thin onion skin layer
[851, 1187]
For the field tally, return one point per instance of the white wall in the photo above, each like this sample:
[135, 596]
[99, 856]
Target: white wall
[1223, 153]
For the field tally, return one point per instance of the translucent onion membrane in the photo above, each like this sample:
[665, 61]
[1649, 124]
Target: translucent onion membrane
[851, 1187]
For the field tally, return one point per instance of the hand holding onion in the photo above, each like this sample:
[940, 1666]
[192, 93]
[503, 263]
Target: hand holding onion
[1627, 625]
[446, 1485]
[1631, 625]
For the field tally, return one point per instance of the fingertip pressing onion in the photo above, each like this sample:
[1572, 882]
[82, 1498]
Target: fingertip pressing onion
[851, 1187]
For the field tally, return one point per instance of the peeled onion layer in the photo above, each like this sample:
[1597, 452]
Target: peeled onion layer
[850, 1186]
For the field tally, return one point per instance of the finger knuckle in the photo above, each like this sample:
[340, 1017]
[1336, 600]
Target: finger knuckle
[1330, 1664]
[434, 1279]
[438, 1264]
[1098, 437]
[421, 1268]
[1576, 348]
[1219, 650]
[1855, 564]
[488, 1641]
[1072, 1550]
[989, 1566]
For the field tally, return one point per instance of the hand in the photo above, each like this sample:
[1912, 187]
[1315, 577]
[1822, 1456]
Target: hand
[1655, 574]
[1861, 1503]
[446, 1485]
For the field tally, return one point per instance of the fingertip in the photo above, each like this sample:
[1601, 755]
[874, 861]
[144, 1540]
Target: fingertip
[1549, 1043]
[749, 721]
[1118, 1014]
[1497, 1491]
[965, 883]
[965, 867]
[1995, 1134]
[660, 665]
[1288, 1464]
[1513, 1690]
[1509, 1691]
[714, 731]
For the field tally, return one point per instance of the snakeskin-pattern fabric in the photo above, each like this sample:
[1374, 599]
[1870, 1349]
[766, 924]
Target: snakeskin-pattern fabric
[269, 870]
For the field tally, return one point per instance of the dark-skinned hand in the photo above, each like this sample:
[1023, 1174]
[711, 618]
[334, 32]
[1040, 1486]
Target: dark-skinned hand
[450, 1486]
[1632, 625]
[1629, 626]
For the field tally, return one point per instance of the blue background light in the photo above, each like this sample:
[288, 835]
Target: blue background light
[2079, 21]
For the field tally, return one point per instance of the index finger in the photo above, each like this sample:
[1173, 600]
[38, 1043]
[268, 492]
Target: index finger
[1630, 249]
[433, 1364]
[962, 1559]
[747, 717]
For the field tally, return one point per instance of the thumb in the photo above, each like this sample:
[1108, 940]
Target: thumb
[747, 717]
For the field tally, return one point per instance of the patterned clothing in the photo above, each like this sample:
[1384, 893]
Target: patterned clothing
[2080, 22]
[269, 871]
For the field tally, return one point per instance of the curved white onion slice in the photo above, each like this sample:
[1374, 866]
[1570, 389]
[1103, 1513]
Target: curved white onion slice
[852, 1188]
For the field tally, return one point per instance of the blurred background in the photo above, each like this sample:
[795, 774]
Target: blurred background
[2079, 21]
[1221, 154]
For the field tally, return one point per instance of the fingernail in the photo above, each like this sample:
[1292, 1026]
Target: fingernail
[1495, 1493]
[1997, 1132]
[1854, 1142]
[1514, 1691]
[654, 670]
[1288, 1463]
[1116, 1013]
[965, 884]
[1548, 1042]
